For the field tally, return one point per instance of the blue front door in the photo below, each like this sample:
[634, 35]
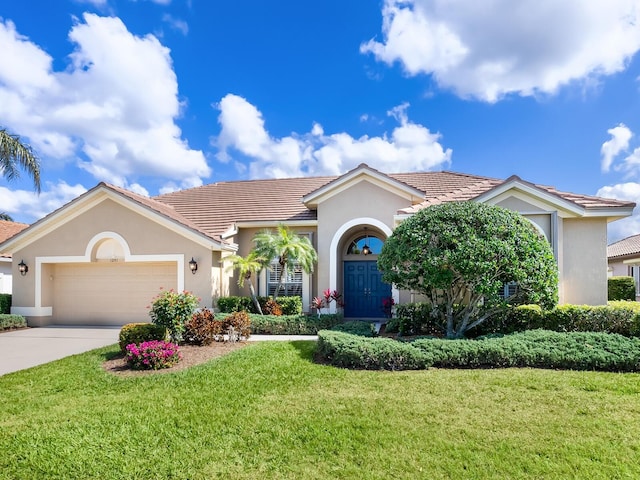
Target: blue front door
[364, 290]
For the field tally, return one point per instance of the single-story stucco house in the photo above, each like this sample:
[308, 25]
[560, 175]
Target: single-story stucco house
[7, 230]
[623, 258]
[102, 257]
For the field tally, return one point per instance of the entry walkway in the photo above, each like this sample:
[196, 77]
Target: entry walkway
[21, 349]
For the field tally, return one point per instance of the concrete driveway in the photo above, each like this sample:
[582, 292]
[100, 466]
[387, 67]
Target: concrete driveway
[20, 349]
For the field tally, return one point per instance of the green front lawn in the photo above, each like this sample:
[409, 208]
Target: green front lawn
[267, 411]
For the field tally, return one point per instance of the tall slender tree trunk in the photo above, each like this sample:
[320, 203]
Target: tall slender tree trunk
[252, 292]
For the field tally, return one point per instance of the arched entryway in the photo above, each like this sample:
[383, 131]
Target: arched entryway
[364, 291]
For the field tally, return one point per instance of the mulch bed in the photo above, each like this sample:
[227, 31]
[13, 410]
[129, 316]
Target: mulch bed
[191, 355]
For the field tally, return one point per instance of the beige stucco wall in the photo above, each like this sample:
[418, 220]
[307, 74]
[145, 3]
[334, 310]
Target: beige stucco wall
[584, 261]
[362, 200]
[618, 268]
[143, 236]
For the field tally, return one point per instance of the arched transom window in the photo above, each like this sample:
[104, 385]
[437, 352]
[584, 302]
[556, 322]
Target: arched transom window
[365, 245]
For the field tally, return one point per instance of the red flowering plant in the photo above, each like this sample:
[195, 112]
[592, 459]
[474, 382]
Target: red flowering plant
[327, 297]
[152, 355]
[387, 306]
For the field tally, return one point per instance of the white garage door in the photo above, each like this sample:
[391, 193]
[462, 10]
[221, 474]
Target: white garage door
[108, 293]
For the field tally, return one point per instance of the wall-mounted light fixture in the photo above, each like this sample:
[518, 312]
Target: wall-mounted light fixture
[366, 250]
[23, 268]
[193, 265]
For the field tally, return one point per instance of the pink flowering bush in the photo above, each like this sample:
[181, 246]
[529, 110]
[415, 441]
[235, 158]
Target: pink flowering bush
[152, 355]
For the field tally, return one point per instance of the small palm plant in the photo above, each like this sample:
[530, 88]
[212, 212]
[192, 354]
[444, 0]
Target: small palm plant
[289, 248]
[246, 267]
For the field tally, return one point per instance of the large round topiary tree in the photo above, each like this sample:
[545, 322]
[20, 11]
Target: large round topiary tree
[460, 255]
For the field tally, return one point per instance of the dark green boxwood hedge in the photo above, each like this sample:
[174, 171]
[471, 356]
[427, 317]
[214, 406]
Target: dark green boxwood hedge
[357, 327]
[621, 288]
[289, 305]
[9, 322]
[622, 317]
[534, 348]
[352, 351]
[290, 324]
[5, 303]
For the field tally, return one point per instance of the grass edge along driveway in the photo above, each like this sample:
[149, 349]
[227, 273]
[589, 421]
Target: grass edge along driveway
[268, 411]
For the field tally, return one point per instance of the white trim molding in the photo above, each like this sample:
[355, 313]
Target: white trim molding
[335, 257]
[39, 310]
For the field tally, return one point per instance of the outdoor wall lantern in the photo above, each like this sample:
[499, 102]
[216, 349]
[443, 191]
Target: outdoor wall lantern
[193, 265]
[23, 268]
[366, 250]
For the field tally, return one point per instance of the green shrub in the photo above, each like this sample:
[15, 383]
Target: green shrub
[290, 324]
[621, 288]
[416, 319]
[511, 319]
[617, 317]
[356, 327]
[201, 329]
[289, 305]
[5, 303]
[392, 326]
[538, 349]
[235, 304]
[173, 310]
[9, 322]
[140, 332]
[351, 351]
[533, 348]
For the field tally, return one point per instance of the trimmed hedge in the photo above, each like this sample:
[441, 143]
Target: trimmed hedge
[357, 327]
[290, 324]
[5, 303]
[289, 305]
[621, 288]
[351, 351]
[9, 322]
[140, 332]
[535, 348]
[538, 349]
[621, 317]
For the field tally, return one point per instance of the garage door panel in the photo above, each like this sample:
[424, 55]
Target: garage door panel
[108, 293]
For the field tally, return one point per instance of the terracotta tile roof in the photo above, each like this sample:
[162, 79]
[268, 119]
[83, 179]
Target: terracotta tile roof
[626, 246]
[215, 208]
[8, 230]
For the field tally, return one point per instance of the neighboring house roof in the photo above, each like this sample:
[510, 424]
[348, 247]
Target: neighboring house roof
[629, 246]
[8, 230]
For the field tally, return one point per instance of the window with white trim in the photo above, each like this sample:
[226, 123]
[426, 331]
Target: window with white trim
[292, 284]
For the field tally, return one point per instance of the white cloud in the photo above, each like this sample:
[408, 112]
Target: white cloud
[27, 203]
[176, 24]
[113, 109]
[629, 191]
[410, 147]
[619, 142]
[490, 49]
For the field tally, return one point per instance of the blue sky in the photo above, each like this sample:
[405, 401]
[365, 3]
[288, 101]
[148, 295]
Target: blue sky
[166, 94]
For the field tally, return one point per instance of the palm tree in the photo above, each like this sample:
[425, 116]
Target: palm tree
[289, 248]
[6, 217]
[246, 267]
[15, 155]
